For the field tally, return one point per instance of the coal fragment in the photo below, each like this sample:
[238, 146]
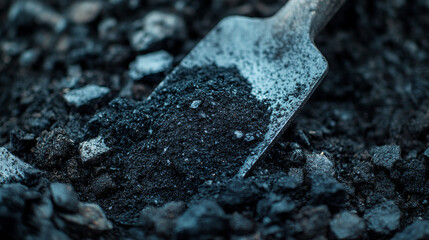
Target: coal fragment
[53, 147]
[157, 27]
[21, 140]
[426, 153]
[162, 220]
[92, 151]
[85, 96]
[29, 57]
[383, 218]
[327, 190]
[13, 169]
[319, 164]
[240, 225]
[386, 156]
[89, 216]
[238, 194]
[38, 11]
[419, 230]
[347, 225]
[102, 185]
[84, 12]
[287, 183]
[151, 66]
[205, 220]
[312, 221]
[64, 197]
[274, 206]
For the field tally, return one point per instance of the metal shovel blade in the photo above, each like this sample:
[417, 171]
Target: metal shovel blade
[276, 55]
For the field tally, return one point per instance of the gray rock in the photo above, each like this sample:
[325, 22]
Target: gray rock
[83, 12]
[150, 64]
[13, 169]
[156, 27]
[162, 220]
[386, 156]
[92, 151]
[89, 216]
[383, 218]
[419, 230]
[64, 197]
[204, 220]
[319, 164]
[86, 95]
[347, 225]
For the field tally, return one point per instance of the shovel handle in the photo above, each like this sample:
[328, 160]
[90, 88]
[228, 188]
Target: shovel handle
[308, 16]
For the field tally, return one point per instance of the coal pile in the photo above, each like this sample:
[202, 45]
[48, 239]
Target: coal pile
[85, 155]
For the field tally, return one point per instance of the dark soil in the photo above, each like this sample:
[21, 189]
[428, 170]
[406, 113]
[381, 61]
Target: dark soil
[199, 127]
[353, 164]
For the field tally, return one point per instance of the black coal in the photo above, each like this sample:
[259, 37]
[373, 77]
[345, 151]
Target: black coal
[353, 164]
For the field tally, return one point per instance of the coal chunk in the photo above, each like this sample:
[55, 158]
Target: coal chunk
[205, 220]
[103, 184]
[327, 190]
[151, 66]
[155, 28]
[426, 153]
[276, 207]
[21, 140]
[419, 230]
[162, 220]
[89, 216]
[383, 218]
[240, 225]
[13, 169]
[64, 197]
[347, 225]
[86, 96]
[386, 156]
[319, 164]
[92, 151]
[22, 12]
[238, 194]
[85, 11]
[53, 147]
[312, 221]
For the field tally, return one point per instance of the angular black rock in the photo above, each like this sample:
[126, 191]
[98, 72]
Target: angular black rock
[204, 220]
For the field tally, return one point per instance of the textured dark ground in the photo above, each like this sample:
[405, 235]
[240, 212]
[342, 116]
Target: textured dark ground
[354, 164]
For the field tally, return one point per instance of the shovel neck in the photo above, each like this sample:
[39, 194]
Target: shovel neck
[306, 16]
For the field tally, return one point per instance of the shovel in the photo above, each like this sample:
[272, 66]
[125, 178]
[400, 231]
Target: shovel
[276, 55]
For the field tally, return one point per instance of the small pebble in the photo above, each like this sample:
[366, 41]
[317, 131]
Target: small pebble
[195, 104]
[91, 151]
[150, 64]
[85, 96]
[83, 12]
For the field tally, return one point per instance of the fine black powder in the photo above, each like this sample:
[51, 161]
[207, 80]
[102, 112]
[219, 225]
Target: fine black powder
[198, 128]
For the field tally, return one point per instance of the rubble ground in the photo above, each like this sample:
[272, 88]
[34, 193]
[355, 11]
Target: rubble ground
[84, 155]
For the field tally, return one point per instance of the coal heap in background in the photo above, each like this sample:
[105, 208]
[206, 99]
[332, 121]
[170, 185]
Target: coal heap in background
[353, 165]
